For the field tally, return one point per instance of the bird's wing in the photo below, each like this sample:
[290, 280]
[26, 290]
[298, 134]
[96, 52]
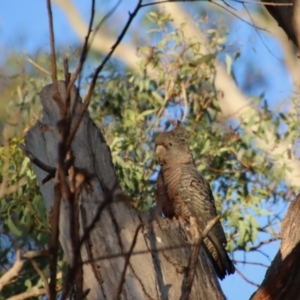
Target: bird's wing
[196, 193]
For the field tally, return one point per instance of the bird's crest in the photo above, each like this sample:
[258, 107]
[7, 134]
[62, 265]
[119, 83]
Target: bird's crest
[178, 129]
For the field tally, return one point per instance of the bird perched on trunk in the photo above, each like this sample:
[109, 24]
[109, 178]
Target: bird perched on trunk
[183, 193]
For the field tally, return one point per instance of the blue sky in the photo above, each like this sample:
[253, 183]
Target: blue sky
[25, 29]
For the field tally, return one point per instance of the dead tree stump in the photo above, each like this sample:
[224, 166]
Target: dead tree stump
[151, 274]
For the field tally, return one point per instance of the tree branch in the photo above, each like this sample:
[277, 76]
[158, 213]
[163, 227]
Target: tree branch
[13, 272]
[56, 96]
[84, 51]
[99, 69]
[127, 258]
[42, 275]
[34, 292]
[197, 239]
[246, 279]
[257, 246]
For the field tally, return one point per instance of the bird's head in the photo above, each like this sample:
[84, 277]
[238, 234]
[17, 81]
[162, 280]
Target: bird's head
[172, 148]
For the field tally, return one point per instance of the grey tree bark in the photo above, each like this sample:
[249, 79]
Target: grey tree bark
[150, 274]
[282, 279]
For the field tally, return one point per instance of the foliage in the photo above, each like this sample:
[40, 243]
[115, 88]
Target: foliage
[24, 221]
[174, 81]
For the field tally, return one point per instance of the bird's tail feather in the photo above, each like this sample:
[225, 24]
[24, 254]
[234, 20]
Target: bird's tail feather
[220, 261]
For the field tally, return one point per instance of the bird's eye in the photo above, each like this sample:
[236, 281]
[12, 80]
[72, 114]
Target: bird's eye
[170, 144]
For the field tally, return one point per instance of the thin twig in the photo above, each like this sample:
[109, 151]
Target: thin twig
[67, 74]
[43, 166]
[237, 1]
[75, 273]
[62, 188]
[223, 7]
[84, 51]
[36, 161]
[245, 278]
[98, 70]
[236, 15]
[264, 3]
[250, 263]
[33, 292]
[13, 272]
[53, 247]
[5, 164]
[95, 31]
[93, 223]
[107, 15]
[168, 87]
[42, 275]
[185, 101]
[59, 186]
[264, 254]
[73, 269]
[256, 247]
[36, 253]
[38, 66]
[56, 96]
[188, 279]
[52, 45]
[258, 33]
[127, 258]
[6, 190]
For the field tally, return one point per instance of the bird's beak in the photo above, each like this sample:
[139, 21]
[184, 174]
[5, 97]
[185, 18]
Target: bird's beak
[160, 150]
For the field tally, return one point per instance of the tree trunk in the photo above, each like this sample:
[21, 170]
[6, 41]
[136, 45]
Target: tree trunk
[282, 280]
[287, 17]
[150, 274]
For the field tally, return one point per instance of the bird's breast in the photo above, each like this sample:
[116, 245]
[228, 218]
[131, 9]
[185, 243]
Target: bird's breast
[174, 206]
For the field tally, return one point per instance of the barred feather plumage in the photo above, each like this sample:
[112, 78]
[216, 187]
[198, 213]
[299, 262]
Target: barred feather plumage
[183, 192]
